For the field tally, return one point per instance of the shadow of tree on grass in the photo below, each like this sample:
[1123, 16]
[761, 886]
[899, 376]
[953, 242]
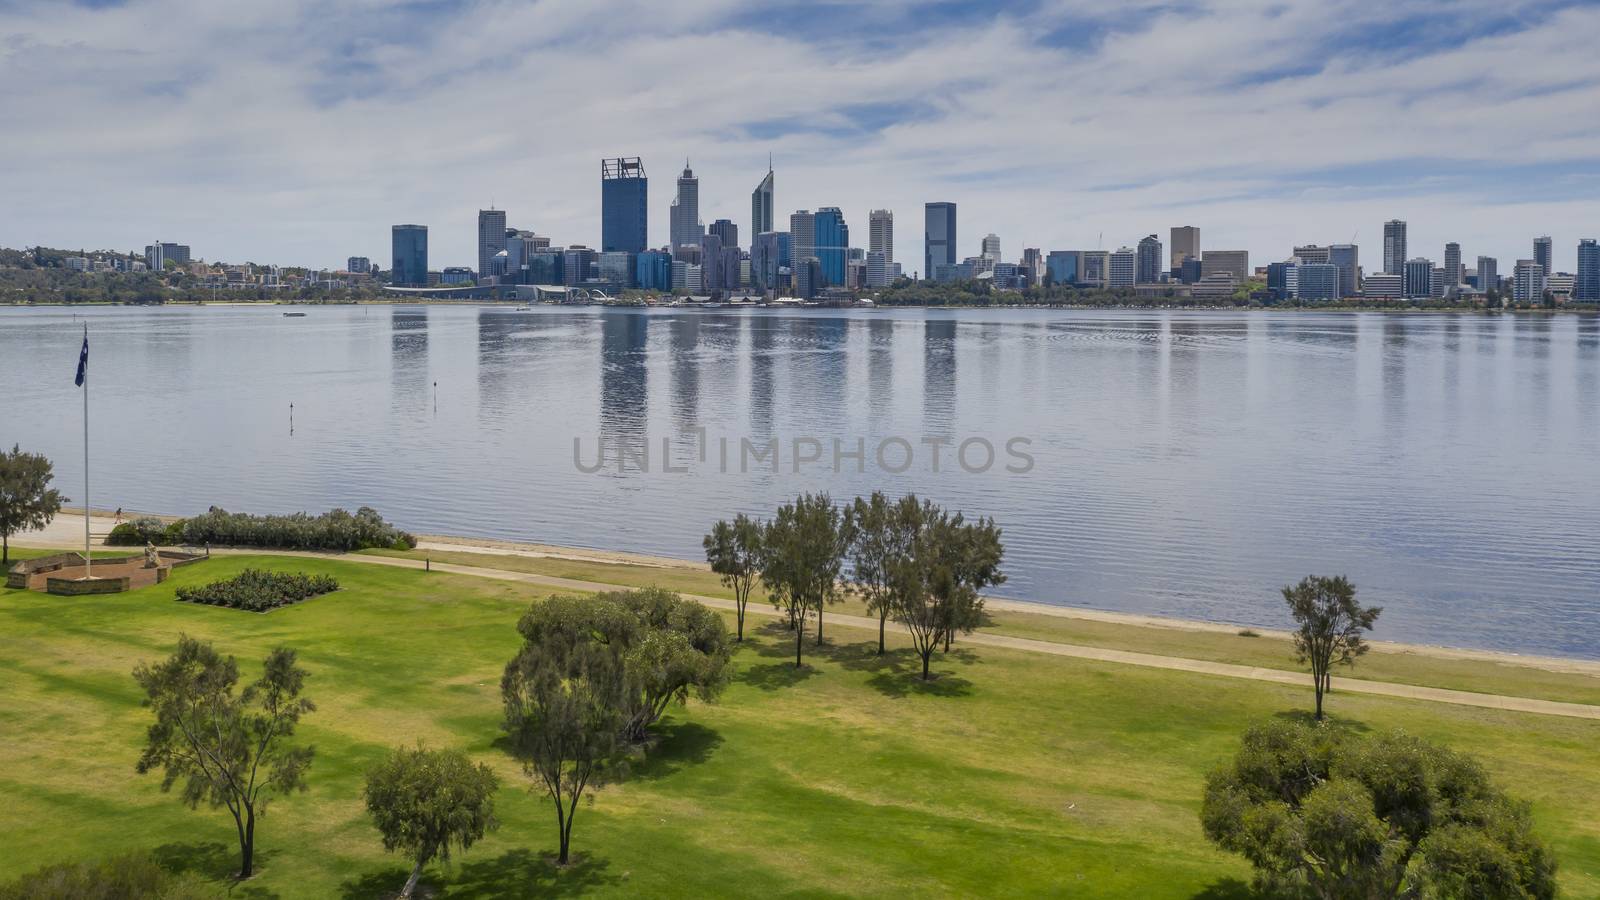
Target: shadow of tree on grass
[513, 874]
[1229, 889]
[677, 744]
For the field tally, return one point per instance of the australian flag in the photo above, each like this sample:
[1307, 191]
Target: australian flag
[83, 360]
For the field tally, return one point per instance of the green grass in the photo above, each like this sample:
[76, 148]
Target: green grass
[1265, 651]
[1011, 774]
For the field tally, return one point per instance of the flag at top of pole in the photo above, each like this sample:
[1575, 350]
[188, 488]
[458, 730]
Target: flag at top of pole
[83, 358]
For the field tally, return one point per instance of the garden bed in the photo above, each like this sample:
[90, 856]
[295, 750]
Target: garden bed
[257, 590]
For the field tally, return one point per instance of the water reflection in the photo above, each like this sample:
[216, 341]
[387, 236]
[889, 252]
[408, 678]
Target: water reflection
[938, 377]
[624, 389]
[408, 359]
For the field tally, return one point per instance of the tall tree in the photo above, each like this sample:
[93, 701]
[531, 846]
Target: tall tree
[735, 551]
[1329, 624]
[565, 708]
[227, 749]
[1320, 812]
[806, 544]
[881, 538]
[27, 502]
[935, 588]
[426, 801]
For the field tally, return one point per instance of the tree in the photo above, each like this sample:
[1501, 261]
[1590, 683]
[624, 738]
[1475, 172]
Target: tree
[227, 749]
[1329, 629]
[1320, 812]
[881, 538]
[806, 544]
[27, 501]
[935, 588]
[735, 551]
[424, 801]
[565, 709]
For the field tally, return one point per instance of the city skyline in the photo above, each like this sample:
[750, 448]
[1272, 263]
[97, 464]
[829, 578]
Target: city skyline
[1375, 128]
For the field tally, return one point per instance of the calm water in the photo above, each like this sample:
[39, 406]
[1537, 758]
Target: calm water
[1183, 464]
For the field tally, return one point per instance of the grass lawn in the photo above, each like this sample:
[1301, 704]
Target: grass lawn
[1266, 651]
[1012, 774]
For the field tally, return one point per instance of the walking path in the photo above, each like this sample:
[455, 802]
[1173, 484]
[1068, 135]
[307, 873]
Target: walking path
[54, 536]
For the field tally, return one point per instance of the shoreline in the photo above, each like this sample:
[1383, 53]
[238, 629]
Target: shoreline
[66, 532]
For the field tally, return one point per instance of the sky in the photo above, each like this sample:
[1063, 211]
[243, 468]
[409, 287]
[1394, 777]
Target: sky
[297, 131]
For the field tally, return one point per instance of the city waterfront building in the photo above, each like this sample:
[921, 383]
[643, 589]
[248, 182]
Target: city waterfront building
[726, 231]
[1418, 278]
[761, 208]
[1452, 264]
[1348, 258]
[880, 235]
[491, 237]
[1394, 247]
[624, 206]
[1528, 282]
[685, 221]
[1586, 283]
[1312, 253]
[939, 238]
[155, 256]
[1063, 268]
[1149, 263]
[802, 240]
[878, 272]
[1191, 270]
[807, 277]
[991, 247]
[711, 262]
[769, 261]
[455, 275]
[1216, 286]
[1383, 286]
[547, 266]
[409, 256]
[1033, 261]
[617, 267]
[832, 245]
[1541, 253]
[1122, 269]
[652, 270]
[1283, 278]
[1317, 281]
[1185, 243]
[1096, 268]
[1235, 262]
[579, 265]
[1488, 274]
[358, 264]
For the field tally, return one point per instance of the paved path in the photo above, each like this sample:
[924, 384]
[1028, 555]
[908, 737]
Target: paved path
[1051, 648]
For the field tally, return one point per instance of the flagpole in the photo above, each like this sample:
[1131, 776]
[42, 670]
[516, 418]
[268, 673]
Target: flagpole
[88, 566]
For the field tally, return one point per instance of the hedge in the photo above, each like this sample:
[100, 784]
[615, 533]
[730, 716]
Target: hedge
[256, 590]
[333, 530]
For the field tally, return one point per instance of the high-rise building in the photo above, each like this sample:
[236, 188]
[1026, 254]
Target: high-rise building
[802, 239]
[761, 209]
[617, 267]
[1527, 285]
[807, 277]
[491, 238]
[1234, 262]
[1311, 254]
[579, 266]
[409, 259]
[358, 264]
[1541, 253]
[1316, 281]
[939, 238]
[1383, 286]
[1418, 278]
[177, 254]
[1064, 268]
[769, 260]
[1033, 261]
[832, 245]
[710, 259]
[1185, 243]
[880, 235]
[624, 206]
[1586, 283]
[991, 247]
[1452, 265]
[1150, 261]
[1488, 274]
[877, 269]
[686, 227]
[726, 231]
[1096, 270]
[1123, 269]
[652, 270]
[1394, 247]
[1348, 258]
[155, 256]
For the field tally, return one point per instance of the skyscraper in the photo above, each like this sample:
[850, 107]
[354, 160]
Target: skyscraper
[802, 238]
[1122, 269]
[686, 228]
[1150, 261]
[1065, 267]
[1348, 258]
[1541, 253]
[1185, 243]
[832, 244]
[761, 209]
[1488, 274]
[1233, 262]
[991, 247]
[1452, 264]
[1418, 278]
[1586, 284]
[624, 205]
[726, 231]
[1033, 261]
[880, 234]
[769, 253]
[939, 238]
[491, 238]
[1527, 285]
[409, 266]
[1394, 247]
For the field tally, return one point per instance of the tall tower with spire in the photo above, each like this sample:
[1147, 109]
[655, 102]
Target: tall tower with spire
[686, 227]
[761, 209]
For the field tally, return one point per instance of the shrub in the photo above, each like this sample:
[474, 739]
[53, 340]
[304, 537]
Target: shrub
[130, 875]
[256, 590]
[138, 532]
[333, 530]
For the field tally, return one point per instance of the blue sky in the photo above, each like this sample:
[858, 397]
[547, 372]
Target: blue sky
[297, 131]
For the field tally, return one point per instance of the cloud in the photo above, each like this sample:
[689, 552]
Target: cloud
[297, 132]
